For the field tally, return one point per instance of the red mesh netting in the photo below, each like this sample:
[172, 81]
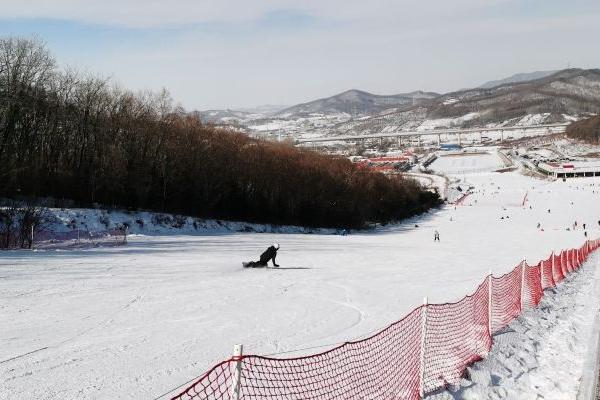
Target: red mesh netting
[506, 299]
[567, 262]
[546, 273]
[532, 286]
[390, 364]
[557, 268]
[456, 335]
[383, 366]
[214, 385]
[571, 260]
[580, 258]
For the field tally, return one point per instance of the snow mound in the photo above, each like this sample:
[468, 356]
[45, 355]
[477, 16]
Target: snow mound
[151, 223]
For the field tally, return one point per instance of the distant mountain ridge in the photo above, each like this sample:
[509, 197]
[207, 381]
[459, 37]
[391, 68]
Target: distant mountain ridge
[560, 97]
[521, 77]
[356, 103]
[547, 97]
[570, 91]
[263, 109]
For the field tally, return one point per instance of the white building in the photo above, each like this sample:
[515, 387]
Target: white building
[574, 169]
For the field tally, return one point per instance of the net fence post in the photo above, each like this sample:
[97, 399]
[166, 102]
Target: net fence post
[542, 275]
[422, 355]
[553, 271]
[523, 266]
[237, 371]
[490, 303]
[31, 246]
[571, 259]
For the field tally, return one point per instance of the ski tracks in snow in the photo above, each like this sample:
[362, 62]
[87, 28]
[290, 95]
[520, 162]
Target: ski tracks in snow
[347, 303]
[102, 323]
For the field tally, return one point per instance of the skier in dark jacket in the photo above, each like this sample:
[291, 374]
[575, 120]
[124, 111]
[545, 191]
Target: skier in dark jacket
[268, 255]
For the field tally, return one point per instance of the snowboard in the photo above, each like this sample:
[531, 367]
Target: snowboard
[248, 265]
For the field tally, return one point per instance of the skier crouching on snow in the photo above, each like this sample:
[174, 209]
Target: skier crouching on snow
[268, 255]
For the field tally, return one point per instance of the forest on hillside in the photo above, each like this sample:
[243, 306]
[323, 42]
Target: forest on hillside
[587, 130]
[80, 137]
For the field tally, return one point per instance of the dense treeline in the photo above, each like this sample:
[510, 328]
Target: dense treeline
[79, 137]
[587, 130]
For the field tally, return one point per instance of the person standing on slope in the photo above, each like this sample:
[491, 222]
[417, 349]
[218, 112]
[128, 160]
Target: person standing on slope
[268, 255]
[436, 236]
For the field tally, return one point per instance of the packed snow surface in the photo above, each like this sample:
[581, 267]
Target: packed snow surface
[466, 163]
[133, 322]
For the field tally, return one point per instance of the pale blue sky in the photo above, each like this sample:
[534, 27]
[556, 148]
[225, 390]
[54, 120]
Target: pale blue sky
[238, 53]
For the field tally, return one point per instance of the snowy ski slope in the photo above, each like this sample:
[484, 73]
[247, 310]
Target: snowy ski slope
[134, 322]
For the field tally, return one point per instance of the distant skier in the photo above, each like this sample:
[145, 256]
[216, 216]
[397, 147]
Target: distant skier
[268, 255]
[436, 236]
[583, 226]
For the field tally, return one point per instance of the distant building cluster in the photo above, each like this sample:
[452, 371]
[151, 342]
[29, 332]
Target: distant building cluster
[400, 163]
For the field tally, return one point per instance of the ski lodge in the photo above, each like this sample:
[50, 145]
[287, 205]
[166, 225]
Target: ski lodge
[574, 169]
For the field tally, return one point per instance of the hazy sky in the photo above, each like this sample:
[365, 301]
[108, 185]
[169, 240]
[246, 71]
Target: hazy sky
[238, 53]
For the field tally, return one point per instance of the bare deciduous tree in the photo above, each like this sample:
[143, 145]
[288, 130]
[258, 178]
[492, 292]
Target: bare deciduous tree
[80, 137]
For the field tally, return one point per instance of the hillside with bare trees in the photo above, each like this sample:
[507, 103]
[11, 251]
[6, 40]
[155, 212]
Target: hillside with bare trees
[587, 130]
[76, 136]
